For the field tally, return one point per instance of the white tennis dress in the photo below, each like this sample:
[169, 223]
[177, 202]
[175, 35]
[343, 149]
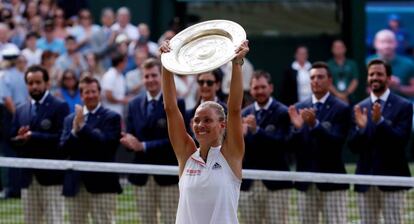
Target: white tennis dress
[209, 192]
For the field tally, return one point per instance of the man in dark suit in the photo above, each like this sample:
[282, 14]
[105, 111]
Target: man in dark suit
[148, 137]
[91, 133]
[37, 127]
[266, 127]
[321, 125]
[381, 132]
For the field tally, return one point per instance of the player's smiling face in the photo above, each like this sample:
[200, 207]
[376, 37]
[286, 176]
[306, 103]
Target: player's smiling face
[207, 125]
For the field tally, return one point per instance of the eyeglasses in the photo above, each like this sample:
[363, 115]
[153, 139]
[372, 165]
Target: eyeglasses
[208, 82]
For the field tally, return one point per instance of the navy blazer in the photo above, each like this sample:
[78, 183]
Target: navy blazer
[319, 149]
[154, 132]
[46, 129]
[267, 149]
[97, 141]
[381, 147]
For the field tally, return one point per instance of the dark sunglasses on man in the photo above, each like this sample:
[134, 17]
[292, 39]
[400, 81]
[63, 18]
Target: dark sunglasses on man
[208, 82]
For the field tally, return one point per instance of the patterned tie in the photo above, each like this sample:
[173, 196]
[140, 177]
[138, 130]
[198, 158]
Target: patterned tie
[259, 115]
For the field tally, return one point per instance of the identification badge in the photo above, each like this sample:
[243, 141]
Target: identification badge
[341, 85]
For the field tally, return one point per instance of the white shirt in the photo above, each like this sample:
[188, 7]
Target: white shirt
[303, 80]
[321, 100]
[130, 30]
[209, 192]
[266, 107]
[383, 97]
[115, 82]
[32, 57]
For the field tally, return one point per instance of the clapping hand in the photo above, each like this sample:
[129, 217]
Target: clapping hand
[376, 112]
[309, 116]
[295, 117]
[79, 119]
[23, 134]
[361, 118]
[130, 142]
[250, 122]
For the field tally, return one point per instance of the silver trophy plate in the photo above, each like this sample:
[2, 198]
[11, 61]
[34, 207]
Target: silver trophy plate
[203, 47]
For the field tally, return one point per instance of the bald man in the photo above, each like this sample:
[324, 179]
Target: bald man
[402, 79]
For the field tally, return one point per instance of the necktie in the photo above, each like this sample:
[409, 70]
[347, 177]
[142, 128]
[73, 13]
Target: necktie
[90, 118]
[318, 107]
[151, 107]
[260, 115]
[380, 102]
[36, 107]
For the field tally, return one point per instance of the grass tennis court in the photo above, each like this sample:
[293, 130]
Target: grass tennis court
[11, 209]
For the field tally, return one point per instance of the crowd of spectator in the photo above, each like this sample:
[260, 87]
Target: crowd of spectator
[108, 77]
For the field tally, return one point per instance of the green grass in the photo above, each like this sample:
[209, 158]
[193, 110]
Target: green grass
[11, 209]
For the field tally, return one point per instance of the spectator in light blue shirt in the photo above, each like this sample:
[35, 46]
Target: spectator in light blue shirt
[49, 42]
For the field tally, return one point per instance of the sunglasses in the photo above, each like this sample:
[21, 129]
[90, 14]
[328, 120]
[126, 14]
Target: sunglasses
[208, 82]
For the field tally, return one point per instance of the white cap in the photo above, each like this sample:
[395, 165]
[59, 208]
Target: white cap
[10, 51]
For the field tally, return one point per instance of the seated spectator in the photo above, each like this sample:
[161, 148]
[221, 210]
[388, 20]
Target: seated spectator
[69, 89]
[31, 52]
[144, 41]
[94, 66]
[48, 41]
[84, 31]
[134, 80]
[4, 39]
[123, 24]
[71, 59]
[48, 62]
[61, 31]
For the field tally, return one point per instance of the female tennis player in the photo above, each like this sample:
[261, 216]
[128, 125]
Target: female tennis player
[210, 176]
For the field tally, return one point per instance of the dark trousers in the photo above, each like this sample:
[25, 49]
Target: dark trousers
[10, 177]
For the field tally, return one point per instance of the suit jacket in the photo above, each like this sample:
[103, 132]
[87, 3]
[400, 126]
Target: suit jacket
[289, 87]
[381, 147]
[96, 141]
[46, 127]
[152, 130]
[319, 149]
[267, 149]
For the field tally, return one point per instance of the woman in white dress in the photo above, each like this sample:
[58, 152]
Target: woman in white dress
[210, 176]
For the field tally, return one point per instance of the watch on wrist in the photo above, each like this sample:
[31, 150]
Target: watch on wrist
[238, 62]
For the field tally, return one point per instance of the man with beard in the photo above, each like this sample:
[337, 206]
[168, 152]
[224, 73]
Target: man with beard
[37, 128]
[321, 125]
[148, 137]
[381, 132]
[402, 77]
[265, 123]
